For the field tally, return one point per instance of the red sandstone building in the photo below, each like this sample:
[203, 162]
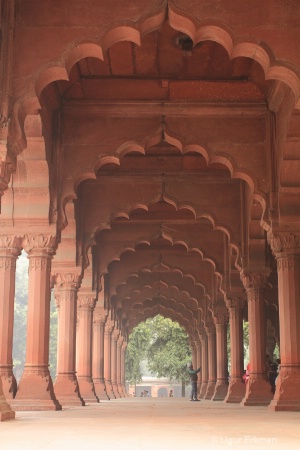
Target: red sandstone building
[150, 163]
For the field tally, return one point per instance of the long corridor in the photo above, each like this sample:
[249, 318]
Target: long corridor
[152, 423]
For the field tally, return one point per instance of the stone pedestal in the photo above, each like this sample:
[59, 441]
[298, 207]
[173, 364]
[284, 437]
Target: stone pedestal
[258, 389]
[85, 303]
[286, 248]
[6, 412]
[35, 391]
[9, 251]
[211, 349]
[237, 387]
[107, 358]
[99, 319]
[66, 385]
[204, 366]
[221, 389]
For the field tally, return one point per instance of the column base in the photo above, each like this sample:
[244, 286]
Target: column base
[287, 394]
[87, 390]
[115, 390]
[9, 385]
[203, 390]
[67, 390]
[6, 413]
[210, 390]
[120, 390]
[109, 389]
[35, 392]
[100, 389]
[258, 393]
[236, 391]
[221, 391]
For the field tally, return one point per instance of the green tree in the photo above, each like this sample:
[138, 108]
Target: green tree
[136, 352]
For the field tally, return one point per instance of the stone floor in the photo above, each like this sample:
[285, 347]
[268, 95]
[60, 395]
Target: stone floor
[146, 424]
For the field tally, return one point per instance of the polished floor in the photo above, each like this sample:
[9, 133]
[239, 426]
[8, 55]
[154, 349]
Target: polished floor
[146, 424]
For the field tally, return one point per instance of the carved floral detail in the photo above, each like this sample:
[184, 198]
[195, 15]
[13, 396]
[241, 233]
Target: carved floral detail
[86, 302]
[99, 318]
[10, 241]
[288, 262]
[221, 319]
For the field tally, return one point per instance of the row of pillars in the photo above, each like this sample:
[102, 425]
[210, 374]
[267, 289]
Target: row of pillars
[91, 349]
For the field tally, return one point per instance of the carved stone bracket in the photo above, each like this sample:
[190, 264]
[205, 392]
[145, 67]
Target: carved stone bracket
[221, 319]
[210, 328]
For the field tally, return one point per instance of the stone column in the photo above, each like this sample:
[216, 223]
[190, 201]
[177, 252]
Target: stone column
[194, 354]
[5, 411]
[114, 354]
[107, 358]
[212, 369]
[204, 365]
[119, 366]
[123, 358]
[9, 252]
[237, 387]
[199, 364]
[221, 322]
[35, 391]
[258, 390]
[66, 385]
[99, 319]
[85, 303]
[286, 248]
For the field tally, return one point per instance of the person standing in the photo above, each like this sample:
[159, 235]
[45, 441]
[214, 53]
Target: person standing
[194, 377]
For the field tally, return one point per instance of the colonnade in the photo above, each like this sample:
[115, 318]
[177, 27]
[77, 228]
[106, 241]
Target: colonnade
[91, 345]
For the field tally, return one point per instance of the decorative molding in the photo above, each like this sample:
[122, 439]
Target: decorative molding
[7, 262]
[99, 318]
[10, 242]
[221, 319]
[288, 262]
[39, 263]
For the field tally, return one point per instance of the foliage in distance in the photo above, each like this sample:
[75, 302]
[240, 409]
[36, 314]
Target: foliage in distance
[164, 344]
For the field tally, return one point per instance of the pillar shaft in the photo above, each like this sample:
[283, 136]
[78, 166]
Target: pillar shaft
[204, 365]
[123, 374]
[86, 303]
[199, 364]
[119, 366]
[99, 319]
[9, 251]
[212, 369]
[221, 322]
[114, 355]
[66, 384]
[107, 358]
[258, 390]
[35, 391]
[237, 387]
[286, 248]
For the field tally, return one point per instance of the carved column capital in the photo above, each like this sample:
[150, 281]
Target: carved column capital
[115, 334]
[124, 346]
[11, 243]
[99, 318]
[284, 242]
[109, 326]
[210, 328]
[86, 302]
[254, 279]
[120, 340]
[221, 319]
[32, 242]
[67, 280]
